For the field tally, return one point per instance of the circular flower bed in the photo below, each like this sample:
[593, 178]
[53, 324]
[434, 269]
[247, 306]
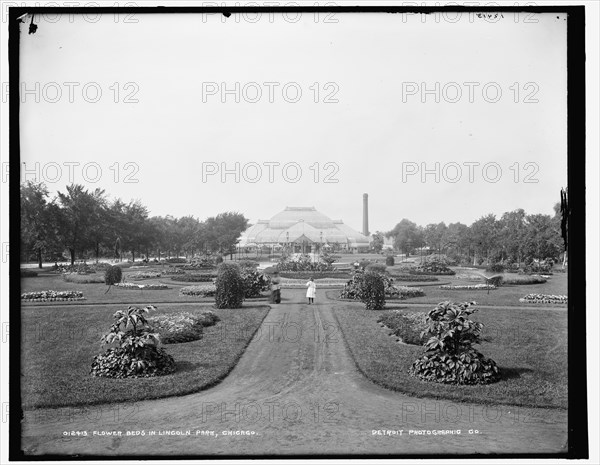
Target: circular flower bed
[544, 299]
[468, 287]
[181, 327]
[51, 296]
[149, 287]
[206, 290]
[405, 292]
[144, 275]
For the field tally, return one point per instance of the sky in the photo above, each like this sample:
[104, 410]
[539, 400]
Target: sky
[436, 118]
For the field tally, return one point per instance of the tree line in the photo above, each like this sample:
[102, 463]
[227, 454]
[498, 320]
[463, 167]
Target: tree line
[87, 224]
[514, 237]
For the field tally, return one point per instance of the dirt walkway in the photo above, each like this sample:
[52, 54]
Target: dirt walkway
[296, 391]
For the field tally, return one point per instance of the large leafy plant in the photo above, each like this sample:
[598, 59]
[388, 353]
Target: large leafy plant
[134, 351]
[450, 356]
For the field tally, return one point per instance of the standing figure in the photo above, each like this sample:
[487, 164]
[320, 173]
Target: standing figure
[275, 288]
[311, 292]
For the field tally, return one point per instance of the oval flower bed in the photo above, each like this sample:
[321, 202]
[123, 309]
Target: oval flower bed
[144, 275]
[181, 327]
[206, 290]
[468, 287]
[51, 296]
[150, 287]
[405, 292]
[544, 299]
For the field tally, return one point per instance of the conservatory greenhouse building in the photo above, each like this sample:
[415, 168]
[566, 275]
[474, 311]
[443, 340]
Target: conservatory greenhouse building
[303, 230]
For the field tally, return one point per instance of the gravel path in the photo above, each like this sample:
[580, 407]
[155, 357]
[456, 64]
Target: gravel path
[296, 391]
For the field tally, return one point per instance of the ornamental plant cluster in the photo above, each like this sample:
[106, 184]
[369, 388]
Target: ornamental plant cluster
[144, 275]
[255, 282]
[304, 263]
[434, 267]
[134, 351]
[544, 299]
[113, 275]
[51, 296]
[450, 357]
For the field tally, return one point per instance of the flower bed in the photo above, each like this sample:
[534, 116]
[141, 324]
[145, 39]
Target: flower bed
[181, 327]
[325, 283]
[144, 275]
[51, 296]
[544, 299]
[314, 274]
[516, 280]
[83, 278]
[407, 326]
[149, 287]
[468, 287]
[194, 278]
[173, 271]
[28, 274]
[405, 292]
[413, 278]
[206, 290]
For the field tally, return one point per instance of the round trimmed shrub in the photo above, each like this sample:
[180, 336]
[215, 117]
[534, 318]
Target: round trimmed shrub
[373, 292]
[389, 260]
[113, 275]
[230, 286]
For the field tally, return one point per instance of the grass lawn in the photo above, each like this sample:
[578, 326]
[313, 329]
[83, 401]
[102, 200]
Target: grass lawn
[507, 295]
[59, 343]
[529, 346]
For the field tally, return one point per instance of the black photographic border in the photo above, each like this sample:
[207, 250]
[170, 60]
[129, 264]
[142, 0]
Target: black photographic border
[576, 161]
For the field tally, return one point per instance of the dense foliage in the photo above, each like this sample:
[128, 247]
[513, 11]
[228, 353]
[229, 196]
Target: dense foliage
[113, 275]
[134, 351]
[373, 291]
[389, 260]
[303, 262]
[205, 290]
[230, 286]
[255, 282]
[432, 267]
[450, 356]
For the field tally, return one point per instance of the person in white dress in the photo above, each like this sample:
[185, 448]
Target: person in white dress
[311, 292]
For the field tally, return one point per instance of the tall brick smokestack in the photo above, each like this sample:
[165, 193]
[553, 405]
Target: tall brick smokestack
[365, 230]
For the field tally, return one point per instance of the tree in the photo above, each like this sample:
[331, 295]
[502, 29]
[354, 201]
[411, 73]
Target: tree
[407, 236]
[38, 221]
[436, 236]
[75, 220]
[377, 242]
[484, 234]
[511, 230]
[224, 230]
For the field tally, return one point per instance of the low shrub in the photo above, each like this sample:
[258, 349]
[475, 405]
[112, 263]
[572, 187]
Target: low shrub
[51, 296]
[134, 351]
[181, 327]
[28, 273]
[255, 283]
[376, 268]
[544, 299]
[113, 275]
[174, 260]
[496, 268]
[450, 357]
[432, 267]
[83, 278]
[407, 326]
[207, 290]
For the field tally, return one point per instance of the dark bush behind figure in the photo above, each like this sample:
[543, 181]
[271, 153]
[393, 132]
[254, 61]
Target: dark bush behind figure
[389, 260]
[230, 286]
[373, 293]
